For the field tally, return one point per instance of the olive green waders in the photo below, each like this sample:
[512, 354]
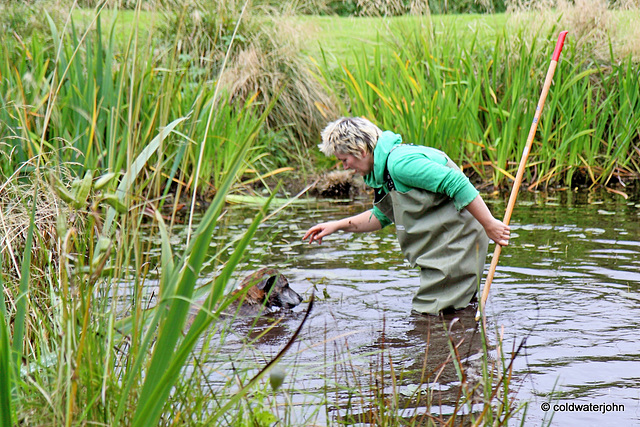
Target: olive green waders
[448, 245]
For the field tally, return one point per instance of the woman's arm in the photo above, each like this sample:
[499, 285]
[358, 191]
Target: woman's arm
[360, 223]
[495, 229]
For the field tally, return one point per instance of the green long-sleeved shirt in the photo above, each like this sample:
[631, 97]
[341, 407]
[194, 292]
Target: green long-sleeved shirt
[414, 166]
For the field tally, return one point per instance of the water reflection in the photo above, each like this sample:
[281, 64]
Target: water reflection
[569, 282]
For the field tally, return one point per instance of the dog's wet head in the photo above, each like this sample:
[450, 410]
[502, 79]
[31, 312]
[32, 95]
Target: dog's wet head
[279, 294]
[268, 287]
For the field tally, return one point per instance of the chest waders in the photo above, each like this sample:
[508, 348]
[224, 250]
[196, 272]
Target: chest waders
[449, 246]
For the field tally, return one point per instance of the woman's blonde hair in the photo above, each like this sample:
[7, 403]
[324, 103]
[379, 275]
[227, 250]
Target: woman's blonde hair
[349, 135]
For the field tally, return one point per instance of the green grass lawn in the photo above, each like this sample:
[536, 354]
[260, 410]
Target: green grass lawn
[335, 35]
[125, 20]
[340, 37]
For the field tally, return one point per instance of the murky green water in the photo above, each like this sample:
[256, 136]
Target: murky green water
[568, 284]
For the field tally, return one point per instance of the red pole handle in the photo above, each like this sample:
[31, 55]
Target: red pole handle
[556, 53]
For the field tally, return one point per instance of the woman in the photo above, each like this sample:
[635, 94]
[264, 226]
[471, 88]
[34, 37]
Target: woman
[443, 225]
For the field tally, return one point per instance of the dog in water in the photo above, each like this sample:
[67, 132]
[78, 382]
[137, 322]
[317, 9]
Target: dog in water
[263, 292]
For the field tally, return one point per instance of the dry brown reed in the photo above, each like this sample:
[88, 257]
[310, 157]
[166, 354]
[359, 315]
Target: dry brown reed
[17, 195]
[594, 26]
[265, 59]
[591, 23]
[270, 63]
[52, 216]
[392, 7]
[16, 203]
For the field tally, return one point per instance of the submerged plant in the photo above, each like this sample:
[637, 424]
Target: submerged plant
[459, 378]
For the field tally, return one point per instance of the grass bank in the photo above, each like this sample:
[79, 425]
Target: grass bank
[344, 39]
[327, 66]
[469, 86]
[103, 120]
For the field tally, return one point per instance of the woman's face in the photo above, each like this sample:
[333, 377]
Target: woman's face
[362, 164]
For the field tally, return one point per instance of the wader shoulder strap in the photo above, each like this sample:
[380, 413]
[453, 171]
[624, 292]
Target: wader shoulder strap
[387, 181]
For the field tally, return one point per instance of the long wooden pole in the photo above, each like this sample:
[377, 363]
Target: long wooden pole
[521, 168]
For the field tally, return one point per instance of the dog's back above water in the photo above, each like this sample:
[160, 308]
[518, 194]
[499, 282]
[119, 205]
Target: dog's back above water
[262, 292]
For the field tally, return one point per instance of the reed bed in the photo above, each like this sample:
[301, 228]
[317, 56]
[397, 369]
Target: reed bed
[101, 123]
[475, 100]
[94, 133]
[98, 126]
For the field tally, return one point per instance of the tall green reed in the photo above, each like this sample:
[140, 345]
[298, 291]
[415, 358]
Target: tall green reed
[475, 99]
[7, 414]
[100, 109]
[178, 284]
[108, 103]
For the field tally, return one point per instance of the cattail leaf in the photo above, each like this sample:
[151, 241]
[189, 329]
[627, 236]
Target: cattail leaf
[113, 201]
[82, 188]
[103, 180]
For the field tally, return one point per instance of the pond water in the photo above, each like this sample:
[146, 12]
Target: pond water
[568, 283]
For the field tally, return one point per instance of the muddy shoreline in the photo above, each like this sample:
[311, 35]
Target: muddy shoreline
[346, 185]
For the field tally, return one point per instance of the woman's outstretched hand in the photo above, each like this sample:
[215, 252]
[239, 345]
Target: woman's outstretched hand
[362, 222]
[317, 232]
